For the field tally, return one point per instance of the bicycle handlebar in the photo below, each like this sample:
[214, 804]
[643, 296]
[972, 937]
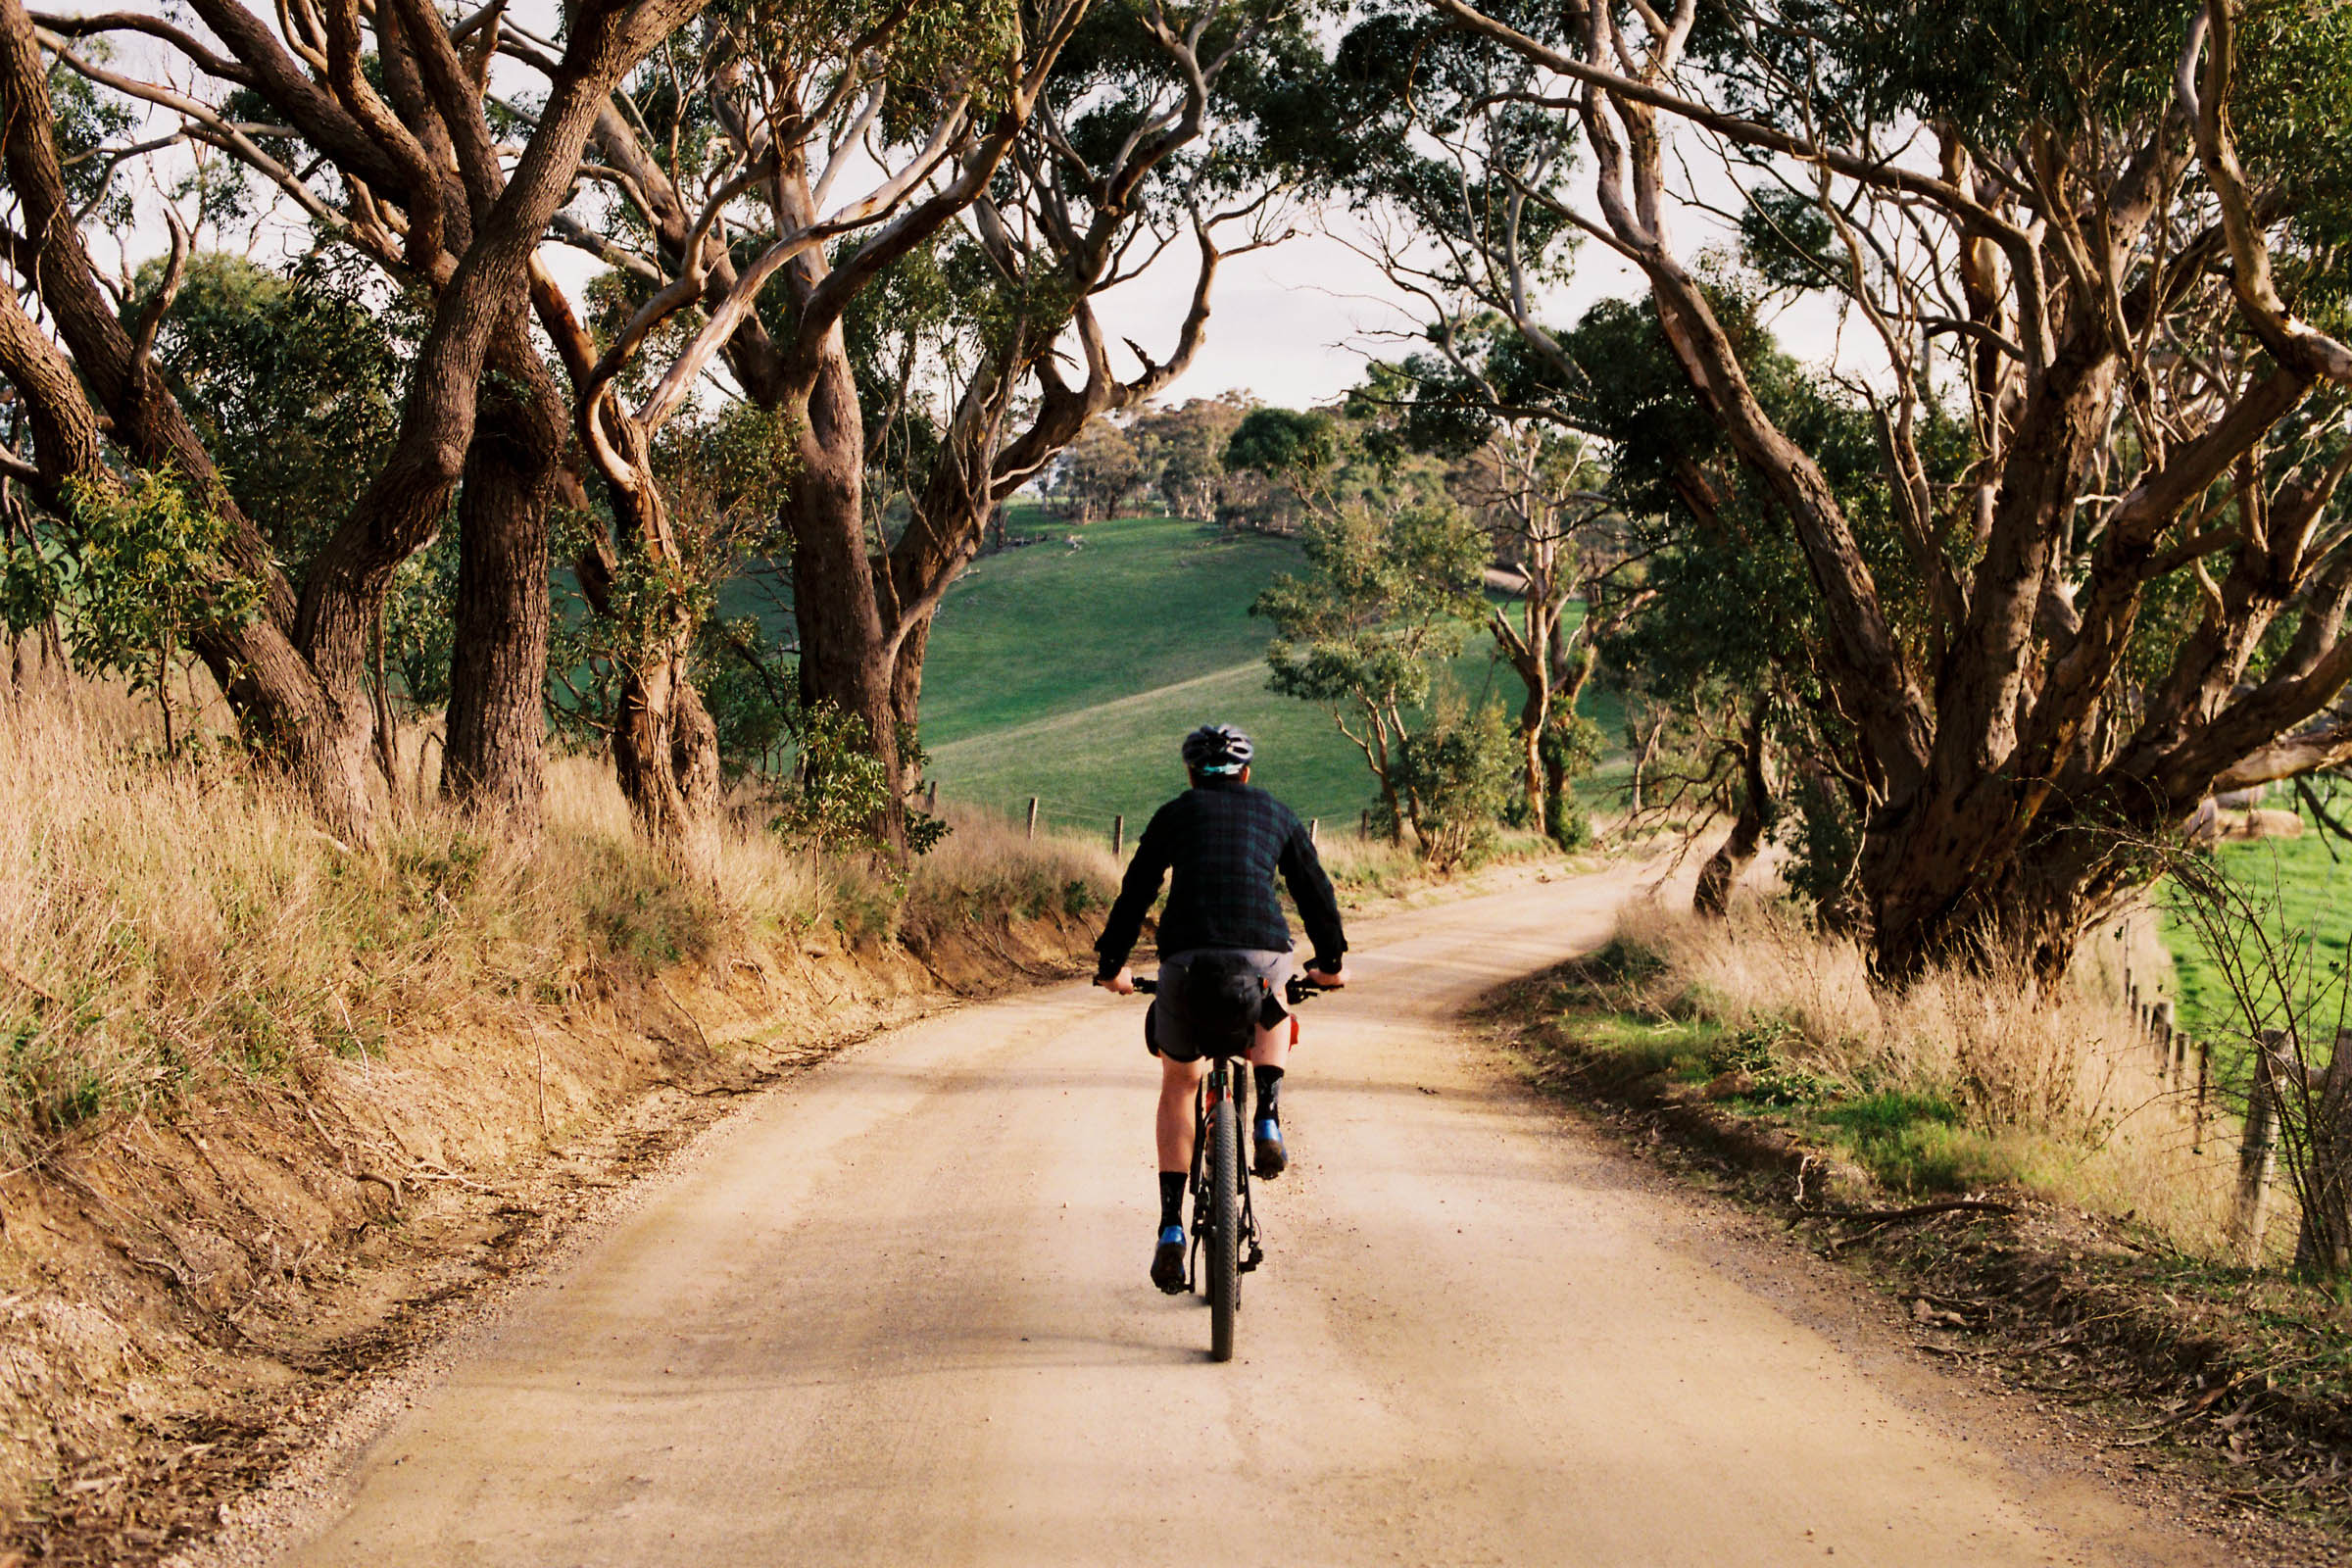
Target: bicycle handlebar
[1299, 988]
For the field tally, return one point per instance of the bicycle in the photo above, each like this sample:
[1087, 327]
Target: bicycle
[1224, 1224]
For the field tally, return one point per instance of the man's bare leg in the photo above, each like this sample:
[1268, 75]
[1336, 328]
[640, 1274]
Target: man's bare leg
[1177, 1081]
[1268, 1157]
[1173, 1126]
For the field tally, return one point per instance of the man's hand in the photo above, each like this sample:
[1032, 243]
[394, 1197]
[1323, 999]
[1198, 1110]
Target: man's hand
[1336, 980]
[1122, 983]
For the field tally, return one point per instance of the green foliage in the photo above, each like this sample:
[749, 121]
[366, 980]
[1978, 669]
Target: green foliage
[837, 788]
[1918, 1144]
[294, 383]
[1767, 1051]
[1382, 599]
[44, 1082]
[1101, 474]
[724, 479]
[1385, 600]
[140, 569]
[1182, 452]
[1786, 240]
[420, 622]
[747, 684]
[89, 119]
[1280, 443]
[1453, 775]
[1823, 836]
[1573, 745]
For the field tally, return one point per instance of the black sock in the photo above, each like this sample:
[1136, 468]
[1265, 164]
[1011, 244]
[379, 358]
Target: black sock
[1171, 1199]
[1269, 1085]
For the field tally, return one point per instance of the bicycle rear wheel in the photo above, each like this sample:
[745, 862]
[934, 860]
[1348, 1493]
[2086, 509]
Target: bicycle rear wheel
[1224, 1228]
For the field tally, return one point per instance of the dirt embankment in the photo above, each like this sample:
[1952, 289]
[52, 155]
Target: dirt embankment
[178, 1297]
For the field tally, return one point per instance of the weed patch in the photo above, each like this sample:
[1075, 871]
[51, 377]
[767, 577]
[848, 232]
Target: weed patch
[1956, 1085]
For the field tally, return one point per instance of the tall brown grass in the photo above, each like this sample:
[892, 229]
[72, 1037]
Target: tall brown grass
[166, 924]
[2065, 1095]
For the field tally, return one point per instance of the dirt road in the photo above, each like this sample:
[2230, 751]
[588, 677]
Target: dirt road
[895, 1313]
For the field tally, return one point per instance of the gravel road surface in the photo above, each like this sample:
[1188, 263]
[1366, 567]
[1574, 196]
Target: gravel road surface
[894, 1313]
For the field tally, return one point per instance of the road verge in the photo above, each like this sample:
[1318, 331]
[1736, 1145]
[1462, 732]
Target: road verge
[2238, 1380]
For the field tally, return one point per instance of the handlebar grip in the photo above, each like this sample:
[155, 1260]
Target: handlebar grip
[1146, 984]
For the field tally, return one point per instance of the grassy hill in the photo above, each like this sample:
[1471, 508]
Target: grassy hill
[1071, 673]
[2301, 885]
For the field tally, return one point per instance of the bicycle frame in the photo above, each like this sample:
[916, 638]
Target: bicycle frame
[1222, 1081]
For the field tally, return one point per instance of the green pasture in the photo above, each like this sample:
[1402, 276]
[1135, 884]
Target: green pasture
[1071, 673]
[2304, 887]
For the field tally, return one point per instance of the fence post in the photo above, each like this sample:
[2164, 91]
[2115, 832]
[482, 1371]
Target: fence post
[2323, 1243]
[2257, 1153]
[2164, 1015]
[2196, 1135]
[1033, 816]
[1118, 836]
[1314, 830]
[931, 799]
[1363, 825]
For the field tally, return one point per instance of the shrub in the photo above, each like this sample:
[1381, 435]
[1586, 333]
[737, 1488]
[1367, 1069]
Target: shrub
[1455, 774]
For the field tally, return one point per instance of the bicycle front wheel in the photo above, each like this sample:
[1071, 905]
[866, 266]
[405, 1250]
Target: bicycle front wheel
[1224, 1228]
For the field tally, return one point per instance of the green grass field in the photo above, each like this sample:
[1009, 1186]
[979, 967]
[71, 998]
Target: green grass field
[1071, 674]
[2307, 894]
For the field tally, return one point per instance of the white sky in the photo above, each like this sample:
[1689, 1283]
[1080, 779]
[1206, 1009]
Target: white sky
[1294, 323]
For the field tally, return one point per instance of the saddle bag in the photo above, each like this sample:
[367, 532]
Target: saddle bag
[1223, 996]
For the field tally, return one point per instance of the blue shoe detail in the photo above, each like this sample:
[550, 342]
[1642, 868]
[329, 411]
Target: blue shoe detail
[1167, 1260]
[1272, 1159]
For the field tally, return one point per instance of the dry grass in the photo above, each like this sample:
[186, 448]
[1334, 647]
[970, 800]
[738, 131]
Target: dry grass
[989, 864]
[170, 926]
[2056, 1093]
[1378, 867]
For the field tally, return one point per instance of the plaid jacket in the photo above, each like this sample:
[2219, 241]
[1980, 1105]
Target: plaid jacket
[1224, 841]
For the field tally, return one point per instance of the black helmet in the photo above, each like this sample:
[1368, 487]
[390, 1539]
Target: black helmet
[1217, 749]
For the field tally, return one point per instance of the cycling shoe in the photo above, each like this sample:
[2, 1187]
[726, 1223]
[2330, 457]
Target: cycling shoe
[1167, 1260]
[1272, 1160]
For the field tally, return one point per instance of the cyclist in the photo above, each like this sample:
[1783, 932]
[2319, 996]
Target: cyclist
[1225, 842]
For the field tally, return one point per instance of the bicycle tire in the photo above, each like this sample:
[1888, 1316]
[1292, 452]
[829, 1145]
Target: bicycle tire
[1224, 1229]
[1243, 1219]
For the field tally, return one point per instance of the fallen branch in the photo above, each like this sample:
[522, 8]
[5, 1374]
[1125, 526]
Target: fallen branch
[1888, 1216]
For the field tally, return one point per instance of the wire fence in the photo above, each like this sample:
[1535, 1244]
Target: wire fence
[1042, 813]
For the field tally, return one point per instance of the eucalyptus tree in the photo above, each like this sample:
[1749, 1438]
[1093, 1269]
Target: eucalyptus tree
[2106, 246]
[1525, 464]
[1009, 163]
[813, 146]
[377, 130]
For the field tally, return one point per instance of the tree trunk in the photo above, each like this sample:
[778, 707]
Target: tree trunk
[491, 764]
[2028, 918]
[2323, 1244]
[666, 754]
[1721, 873]
[848, 660]
[665, 747]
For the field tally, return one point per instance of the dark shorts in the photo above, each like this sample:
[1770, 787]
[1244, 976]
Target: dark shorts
[1165, 1030]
